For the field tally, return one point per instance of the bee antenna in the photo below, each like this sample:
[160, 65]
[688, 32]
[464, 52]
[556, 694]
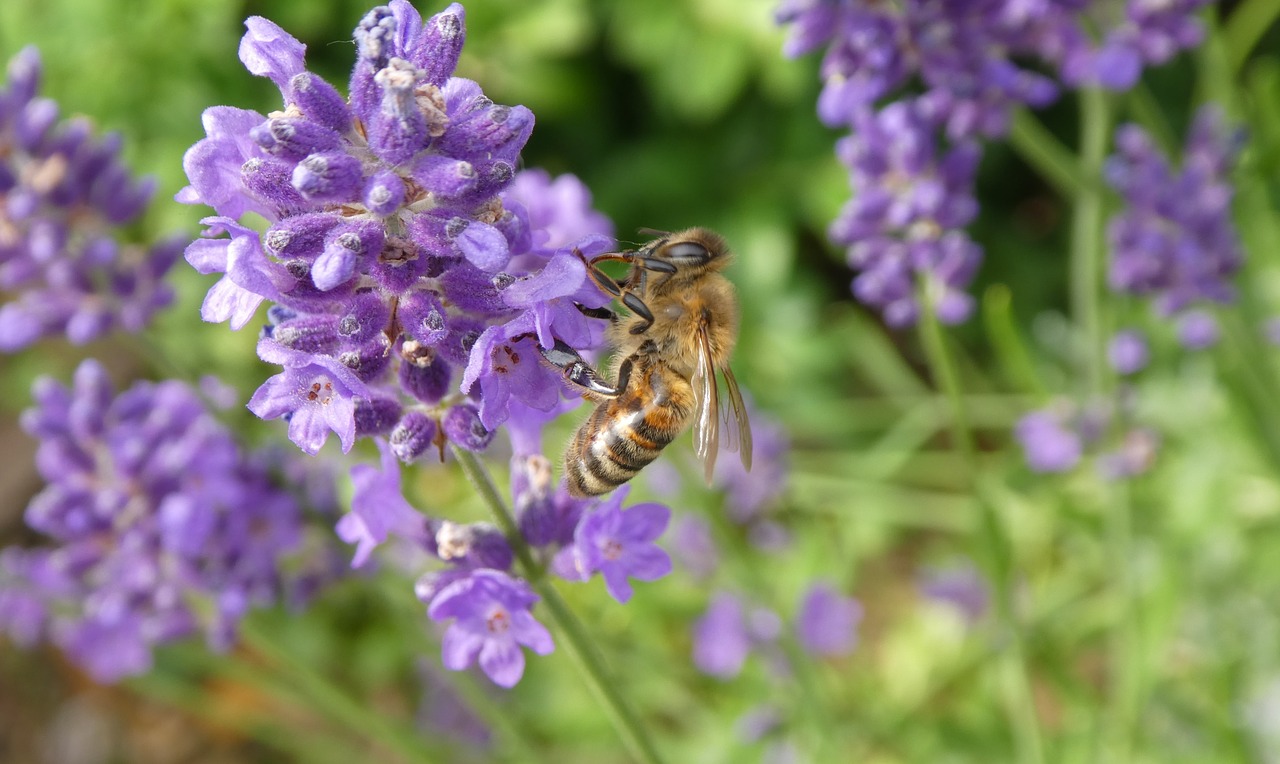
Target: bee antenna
[652, 232]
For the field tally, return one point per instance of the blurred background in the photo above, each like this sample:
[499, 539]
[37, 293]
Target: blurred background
[679, 113]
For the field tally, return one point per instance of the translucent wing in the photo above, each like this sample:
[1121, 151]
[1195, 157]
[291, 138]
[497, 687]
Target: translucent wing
[706, 420]
[738, 430]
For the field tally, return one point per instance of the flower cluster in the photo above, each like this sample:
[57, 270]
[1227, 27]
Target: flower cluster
[162, 525]
[1057, 438]
[949, 70]
[63, 195]
[412, 271]
[1175, 240]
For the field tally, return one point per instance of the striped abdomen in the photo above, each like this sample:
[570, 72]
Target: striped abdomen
[625, 433]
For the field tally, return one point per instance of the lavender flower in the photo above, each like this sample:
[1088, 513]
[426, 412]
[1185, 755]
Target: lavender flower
[152, 509]
[721, 641]
[1048, 442]
[619, 544]
[1197, 330]
[408, 268]
[63, 268]
[905, 224]
[1127, 351]
[491, 620]
[1175, 241]
[828, 621]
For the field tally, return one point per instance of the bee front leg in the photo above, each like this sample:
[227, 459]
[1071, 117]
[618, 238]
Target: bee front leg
[580, 374]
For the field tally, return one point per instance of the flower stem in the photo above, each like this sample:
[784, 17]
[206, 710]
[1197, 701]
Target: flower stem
[574, 636]
[334, 701]
[1040, 149]
[1248, 23]
[1013, 667]
[1086, 234]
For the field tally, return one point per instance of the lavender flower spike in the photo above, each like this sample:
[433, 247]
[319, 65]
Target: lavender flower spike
[65, 193]
[491, 621]
[394, 259]
[152, 510]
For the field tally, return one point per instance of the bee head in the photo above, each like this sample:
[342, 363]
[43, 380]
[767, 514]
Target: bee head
[693, 249]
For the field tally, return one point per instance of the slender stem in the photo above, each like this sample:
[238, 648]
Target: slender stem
[335, 702]
[1044, 152]
[1248, 23]
[1086, 234]
[575, 638]
[1016, 682]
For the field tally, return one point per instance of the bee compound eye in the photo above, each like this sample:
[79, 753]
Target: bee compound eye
[690, 252]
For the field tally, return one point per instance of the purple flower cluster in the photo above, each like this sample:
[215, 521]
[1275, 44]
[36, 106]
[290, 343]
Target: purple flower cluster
[412, 271]
[162, 526]
[1057, 438]
[488, 608]
[63, 195]
[826, 626]
[949, 69]
[1175, 240]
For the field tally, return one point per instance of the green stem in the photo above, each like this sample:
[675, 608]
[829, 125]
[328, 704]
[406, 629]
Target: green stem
[1086, 234]
[337, 704]
[574, 637]
[1019, 701]
[1248, 23]
[1045, 153]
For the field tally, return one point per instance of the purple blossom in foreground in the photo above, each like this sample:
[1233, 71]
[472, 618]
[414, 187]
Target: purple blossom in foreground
[904, 226]
[491, 621]
[619, 545]
[153, 510]
[411, 271]
[1175, 241]
[961, 587]
[828, 621]
[64, 194]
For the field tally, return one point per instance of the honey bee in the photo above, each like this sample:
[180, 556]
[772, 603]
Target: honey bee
[682, 328]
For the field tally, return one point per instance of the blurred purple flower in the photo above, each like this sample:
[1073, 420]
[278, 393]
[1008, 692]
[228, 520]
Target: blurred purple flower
[619, 545]
[64, 196]
[153, 510]
[491, 620]
[905, 223]
[399, 244]
[721, 641]
[1197, 330]
[378, 508]
[1175, 241]
[1135, 455]
[827, 624]
[694, 548]
[961, 587]
[1048, 442]
[1128, 352]
[749, 494]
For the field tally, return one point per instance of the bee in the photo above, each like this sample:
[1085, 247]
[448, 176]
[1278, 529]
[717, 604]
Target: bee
[682, 328]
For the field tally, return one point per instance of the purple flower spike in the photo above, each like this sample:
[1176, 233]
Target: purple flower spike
[491, 620]
[1175, 241]
[63, 195]
[828, 621]
[162, 527]
[619, 544]
[387, 217]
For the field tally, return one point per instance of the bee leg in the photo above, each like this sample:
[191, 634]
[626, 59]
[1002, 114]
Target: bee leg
[638, 307]
[578, 372]
[604, 313]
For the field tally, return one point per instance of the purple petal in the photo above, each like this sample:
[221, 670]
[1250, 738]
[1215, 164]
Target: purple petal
[648, 563]
[533, 635]
[502, 661]
[645, 522]
[228, 302]
[269, 51]
[484, 246]
[460, 647]
[615, 581]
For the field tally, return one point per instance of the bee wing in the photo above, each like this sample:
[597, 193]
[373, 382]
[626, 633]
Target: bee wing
[739, 428]
[706, 420]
